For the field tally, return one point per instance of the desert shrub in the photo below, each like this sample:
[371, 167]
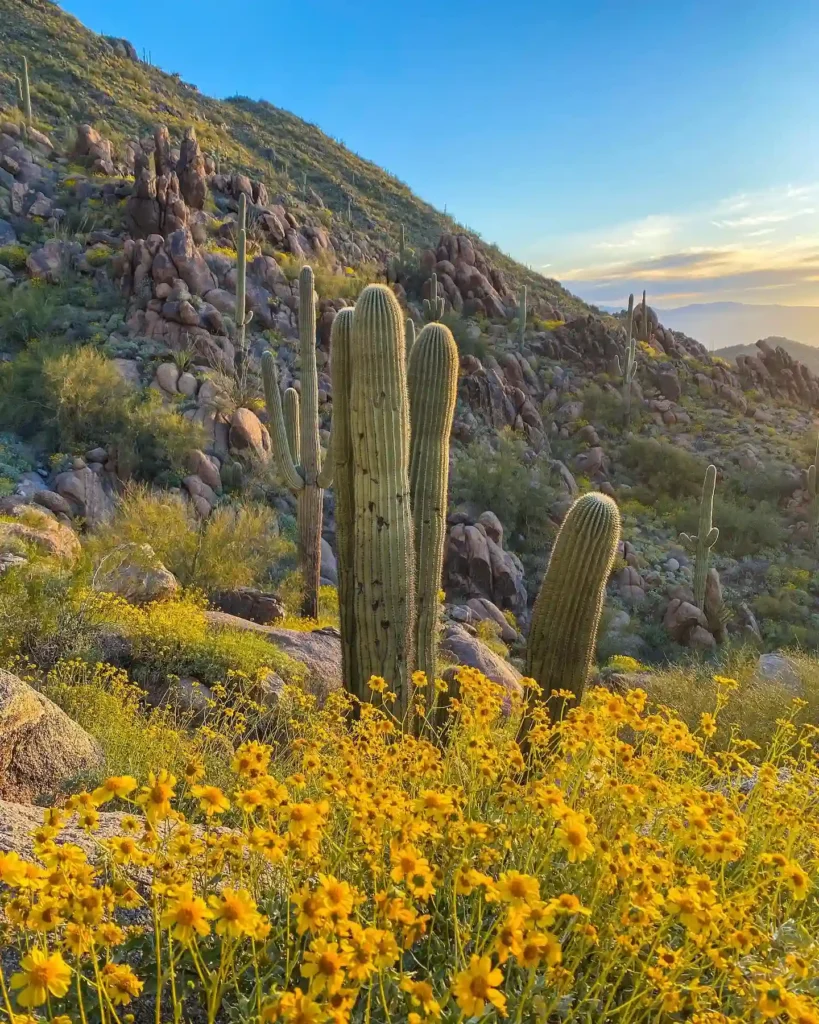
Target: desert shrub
[773, 483]
[744, 529]
[513, 482]
[677, 876]
[602, 407]
[236, 546]
[26, 312]
[663, 470]
[13, 256]
[174, 638]
[75, 399]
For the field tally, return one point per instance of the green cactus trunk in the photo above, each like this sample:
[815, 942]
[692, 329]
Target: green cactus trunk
[384, 559]
[433, 385]
[631, 363]
[302, 470]
[242, 317]
[341, 347]
[705, 538]
[410, 328]
[522, 317]
[646, 327]
[434, 305]
[26, 90]
[567, 611]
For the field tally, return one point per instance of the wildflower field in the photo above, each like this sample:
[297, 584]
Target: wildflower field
[620, 870]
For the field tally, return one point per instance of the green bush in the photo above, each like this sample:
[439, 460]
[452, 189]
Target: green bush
[602, 407]
[13, 256]
[663, 470]
[744, 529]
[26, 312]
[514, 483]
[75, 399]
[236, 546]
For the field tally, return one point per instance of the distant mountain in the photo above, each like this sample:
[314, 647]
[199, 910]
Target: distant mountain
[718, 324]
[807, 354]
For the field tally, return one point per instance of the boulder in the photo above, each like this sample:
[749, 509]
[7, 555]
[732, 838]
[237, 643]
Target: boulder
[36, 526]
[248, 432]
[465, 649]
[40, 746]
[319, 650]
[86, 495]
[206, 467]
[190, 169]
[167, 376]
[249, 603]
[681, 618]
[189, 262]
[483, 610]
[135, 573]
[778, 668]
[329, 565]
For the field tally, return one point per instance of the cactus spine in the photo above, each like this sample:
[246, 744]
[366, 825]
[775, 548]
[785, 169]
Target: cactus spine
[522, 316]
[26, 93]
[706, 536]
[567, 611]
[631, 361]
[302, 470]
[434, 305]
[384, 558]
[433, 385]
[341, 341]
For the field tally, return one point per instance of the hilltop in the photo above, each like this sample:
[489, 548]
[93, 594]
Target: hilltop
[78, 76]
[807, 354]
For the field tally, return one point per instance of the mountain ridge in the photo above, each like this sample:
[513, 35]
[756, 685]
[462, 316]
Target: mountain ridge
[79, 76]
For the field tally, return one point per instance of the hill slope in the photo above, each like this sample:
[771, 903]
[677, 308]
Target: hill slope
[807, 354]
[78, 76]
[736, 323]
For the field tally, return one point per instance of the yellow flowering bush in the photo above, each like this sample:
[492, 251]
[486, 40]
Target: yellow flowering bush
[618, 870]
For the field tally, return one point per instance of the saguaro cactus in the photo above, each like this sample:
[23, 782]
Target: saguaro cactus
[384, 559]
[341, 341]
[522, 316]
[434, 305]
[706, 536]
[631, 361]
[243, 318]
[567, 611]
[26, 93]
[410, 329]
[814, 497]
[433, 385]
[302, 469]
[646, 325]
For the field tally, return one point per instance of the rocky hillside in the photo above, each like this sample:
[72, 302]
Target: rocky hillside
[80, 77]
[807, 354]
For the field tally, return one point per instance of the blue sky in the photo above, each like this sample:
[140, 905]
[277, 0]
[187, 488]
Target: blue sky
[614, 145]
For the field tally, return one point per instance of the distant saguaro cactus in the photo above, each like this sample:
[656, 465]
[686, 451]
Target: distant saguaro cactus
[243, 318]
[341, 350]
[814, 496]
[630, 368]
[410, 329]
[26, 93]
[522, 316]
[567, 611]
[384, 557]
[300, 464]
[706, 536]
[646, 325]
[433, 386]
[434, 305]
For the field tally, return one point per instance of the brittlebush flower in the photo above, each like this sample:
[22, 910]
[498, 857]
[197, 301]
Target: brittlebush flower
[41, 974]
[573, 836]
[155, 798]
[324, 965]
[211, 799]
[477, 986]
[234, 912]
[121, 984]
[515, 888]
[187, 916]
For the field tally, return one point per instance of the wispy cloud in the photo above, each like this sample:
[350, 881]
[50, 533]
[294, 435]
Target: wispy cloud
[743, 247]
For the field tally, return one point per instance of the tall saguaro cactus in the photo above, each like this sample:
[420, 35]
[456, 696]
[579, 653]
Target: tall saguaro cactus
[433, 385]
[434, 305]
[243, 318]
[384, 558]
[26, 90]
[522, 316]
[706, 536]
[410, 329]
[341, 349]
[302, 470]
[814, 495]
[631, 362]
[567, 611]
[646, 325]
